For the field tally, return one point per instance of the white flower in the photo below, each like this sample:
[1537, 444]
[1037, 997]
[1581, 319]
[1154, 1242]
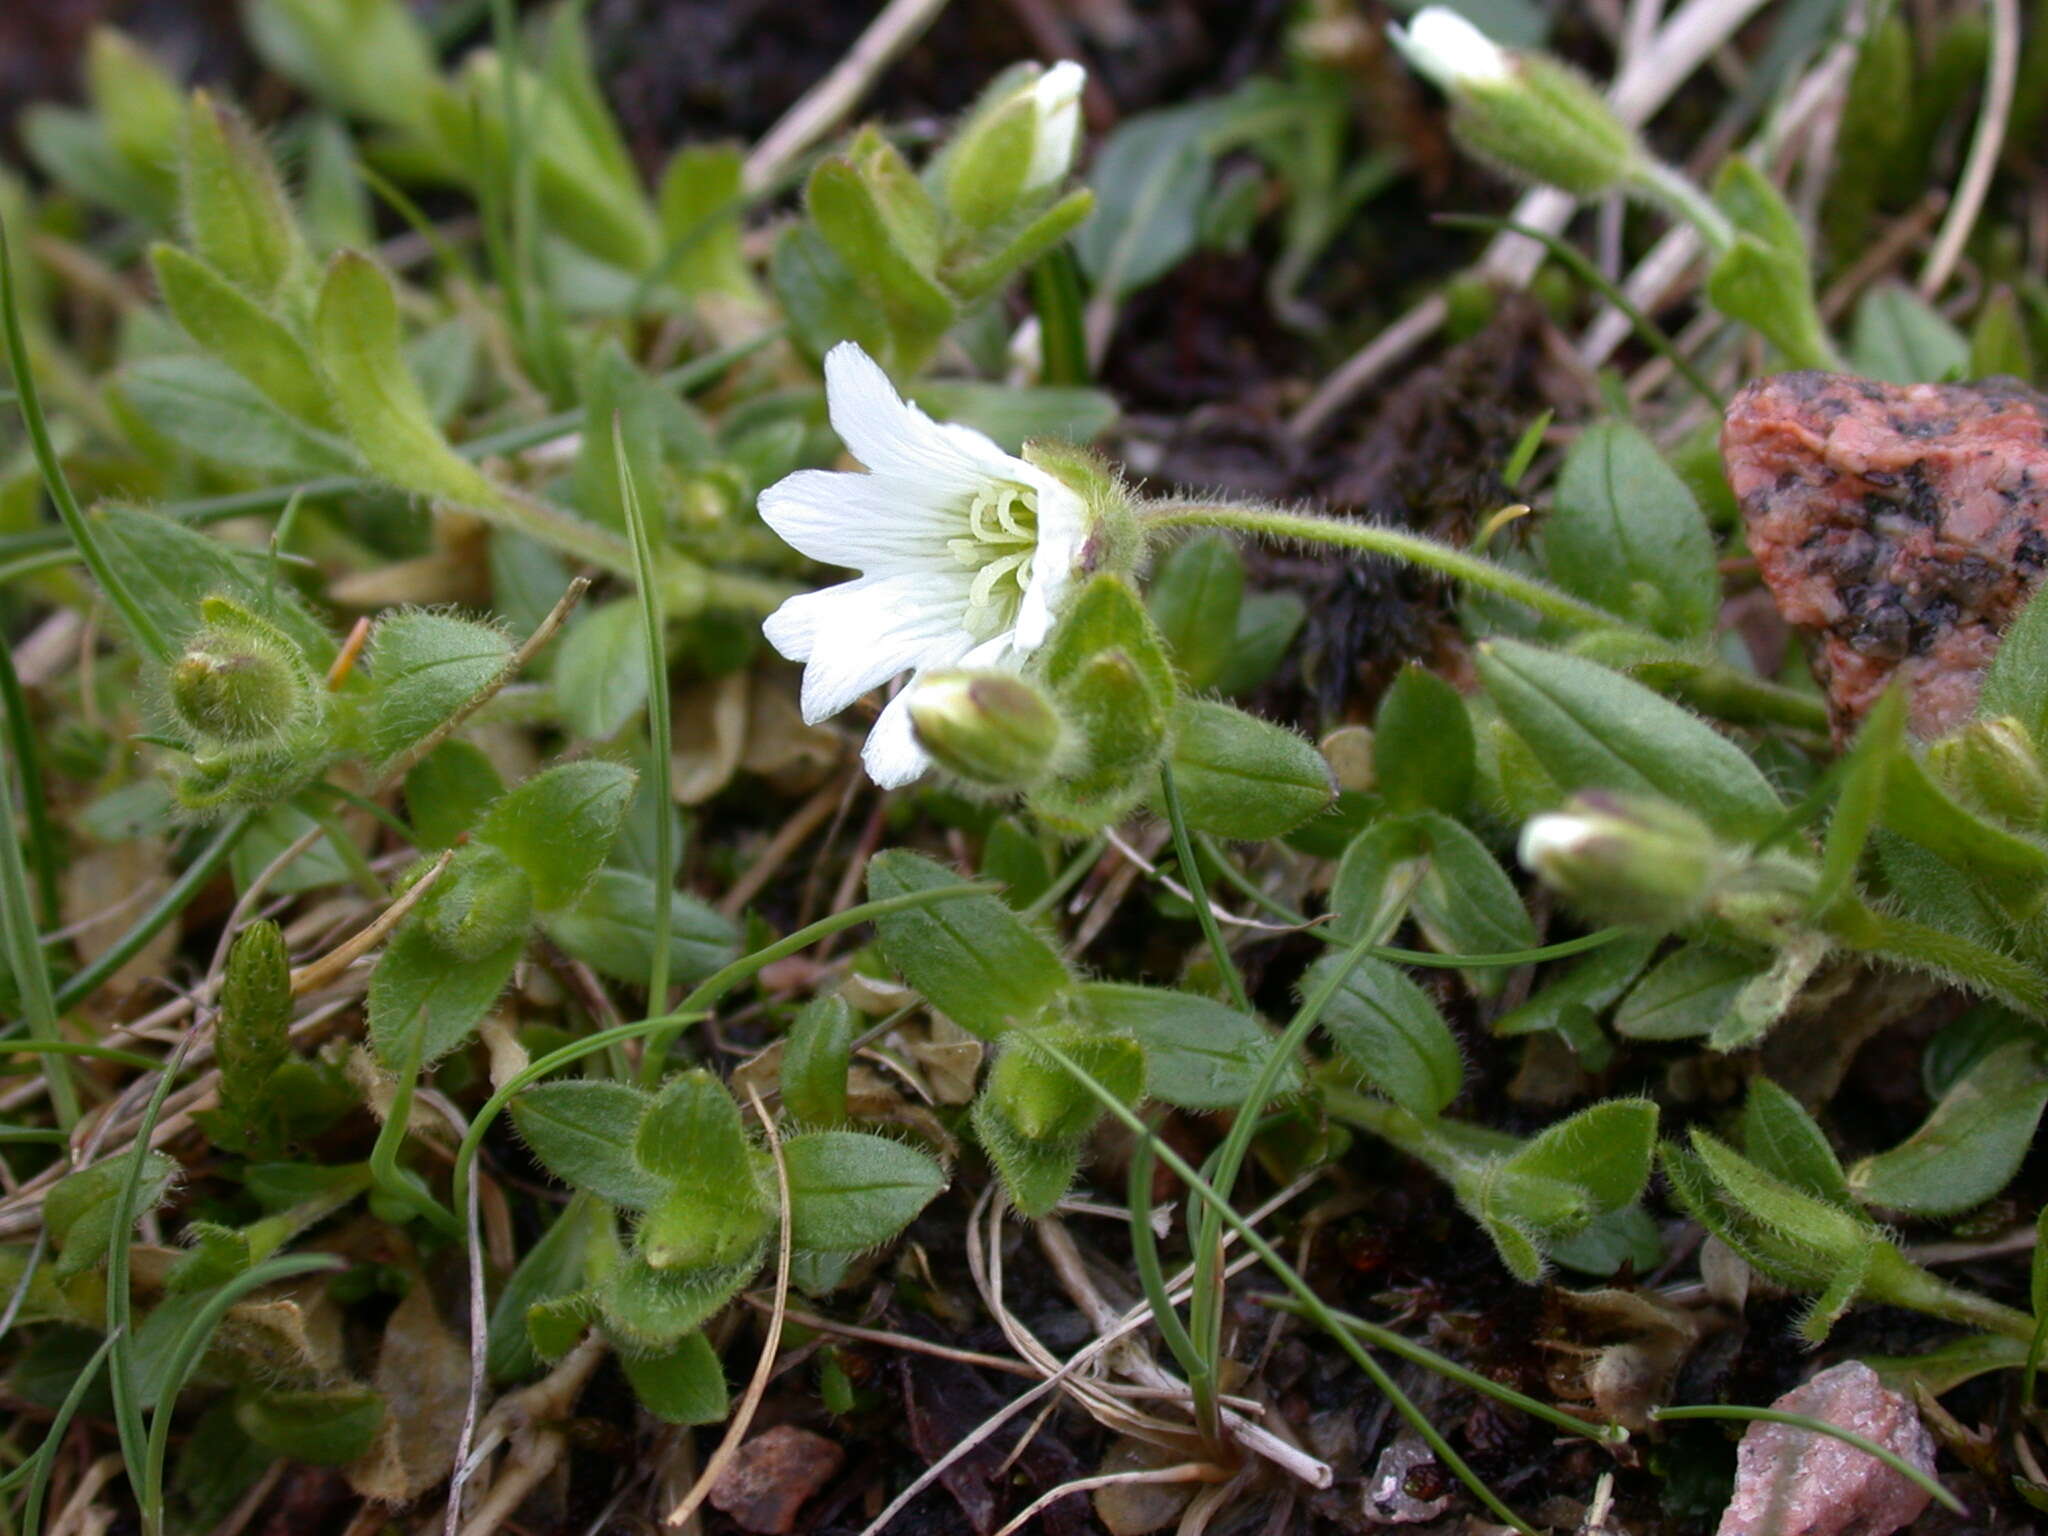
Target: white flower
[963, 552]
[1449, 50]
[1057, 95]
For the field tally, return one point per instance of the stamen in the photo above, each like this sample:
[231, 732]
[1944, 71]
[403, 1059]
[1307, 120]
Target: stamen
[1002, 543]
[981, 594]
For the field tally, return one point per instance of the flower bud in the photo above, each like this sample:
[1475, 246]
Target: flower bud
[1524, 112]
[239, 681]
[1018, 146]
[1634, 860]
[251, 1038]
[1994, 764]
[989, 728]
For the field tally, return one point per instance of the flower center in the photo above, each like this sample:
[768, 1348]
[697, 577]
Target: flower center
[1001, 542]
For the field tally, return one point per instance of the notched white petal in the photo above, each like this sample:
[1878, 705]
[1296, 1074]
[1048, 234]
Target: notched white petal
[893, 437]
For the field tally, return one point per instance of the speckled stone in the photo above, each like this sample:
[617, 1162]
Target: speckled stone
[1901, 525]
[1792, 1482]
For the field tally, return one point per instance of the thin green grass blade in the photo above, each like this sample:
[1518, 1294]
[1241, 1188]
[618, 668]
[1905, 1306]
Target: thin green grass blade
[29, 401]
[658, 728]
[25, 957]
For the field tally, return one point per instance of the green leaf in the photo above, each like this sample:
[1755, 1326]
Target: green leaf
[1780, 1137]
[1781, 1230]
[137, 103]
[583, 1131]
[170, 569]
[692, 1137]
[610, 926]
[358, 342]
[699, 202]
[1626, 534]
[1267, 623]
[816, 1054]
[78, 1212]
[228, 323]
[233, 205]
[1970, 1146]
[1424, 755]
[326, 1426]
[850, 1191]
[1041, 1097]
[559, 825]
[370, 58]
[425, 666]
[822, 298]
[1465, 903]
[1757, 208]
[650, 1310]
[684, 1384]
[1150, 179]
[553, 1267]
[1689, 992]
[1242, 777]
[482, 902]
[208, 410]
[972, 958]
[1199, 1053]
[419, 989]
[1605, 1149]
[1194, 598]
[1771, 291]
[843, 208]
[2013, 869]
[334, 199]
[1608, 1241]
[1864, 771]
[1592, 728]
[1998, 341]
[446, 793]
[615, 392]
[601, 671]
[1391, 1034]
[2017, 682]
[1587, 987]
[1898, 338]
[1035, 1174]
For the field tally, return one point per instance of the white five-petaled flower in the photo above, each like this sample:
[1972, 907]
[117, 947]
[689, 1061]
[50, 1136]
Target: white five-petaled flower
[963, 553]
[1449, 50]
[1057, 96]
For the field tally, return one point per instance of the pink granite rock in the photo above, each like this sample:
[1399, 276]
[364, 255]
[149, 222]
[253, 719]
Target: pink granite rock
[766, 1484]
[1901, 525]
[1793, 1482]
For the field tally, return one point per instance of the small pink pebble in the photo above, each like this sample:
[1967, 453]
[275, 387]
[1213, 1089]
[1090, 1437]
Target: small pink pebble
[1793, 1482]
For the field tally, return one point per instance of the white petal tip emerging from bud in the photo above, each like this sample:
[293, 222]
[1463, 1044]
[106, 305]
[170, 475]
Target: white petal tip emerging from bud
[1548, 838]
[1057, 95]
[1448, 50]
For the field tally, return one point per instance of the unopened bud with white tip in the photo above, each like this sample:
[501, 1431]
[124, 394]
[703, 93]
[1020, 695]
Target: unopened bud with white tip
[1449, 51]
[1631, 859]
[1526, 113]
[1017, 146]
